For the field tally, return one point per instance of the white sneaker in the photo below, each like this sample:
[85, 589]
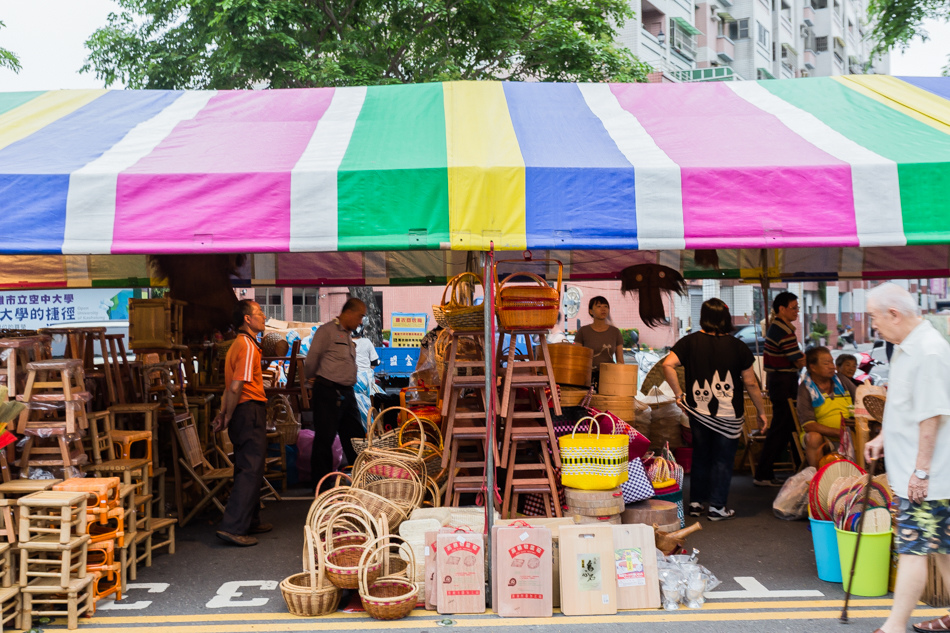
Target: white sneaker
[719, 514]
[695, 509]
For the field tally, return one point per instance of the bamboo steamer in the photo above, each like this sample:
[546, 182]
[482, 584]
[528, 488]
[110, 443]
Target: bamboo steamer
[571, 363]
[624, 407]
[617, 380]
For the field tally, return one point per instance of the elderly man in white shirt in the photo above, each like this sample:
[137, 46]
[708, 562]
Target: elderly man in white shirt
[916, 440]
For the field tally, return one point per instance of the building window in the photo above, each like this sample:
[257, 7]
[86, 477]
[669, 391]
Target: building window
[271, 301]
[764, 38]
[681, 40]
[819, 4]
[305, 305]
[739, 30]
[821, 44]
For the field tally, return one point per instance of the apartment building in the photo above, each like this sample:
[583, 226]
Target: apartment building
[725, 40]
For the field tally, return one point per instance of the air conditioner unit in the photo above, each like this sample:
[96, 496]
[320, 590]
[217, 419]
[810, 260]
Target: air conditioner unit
[804, 31]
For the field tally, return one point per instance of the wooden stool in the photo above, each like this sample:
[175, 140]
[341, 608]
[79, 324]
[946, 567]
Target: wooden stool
[109, 526]
[57, 450]
[40, 511]
[531, 477]
[467, 452]
[16, 354]
[77, 600]
[454, 363]
[80, 345]
[45, 557]
[6, 566]
[103, 452]
[101, 556]
[7, 529]
[164, 526]
[464, 415]
[50, 385]
[11, 609]
[106, 583]
[103, 492]
[149, 412]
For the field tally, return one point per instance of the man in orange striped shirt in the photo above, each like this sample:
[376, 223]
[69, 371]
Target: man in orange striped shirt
[244, 414]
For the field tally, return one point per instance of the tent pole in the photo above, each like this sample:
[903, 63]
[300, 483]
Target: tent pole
[489, 354]
[765, 281]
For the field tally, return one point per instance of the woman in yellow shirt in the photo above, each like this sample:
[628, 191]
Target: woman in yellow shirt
[824, 398]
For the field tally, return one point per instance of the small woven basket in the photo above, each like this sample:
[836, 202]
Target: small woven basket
[875, 407]
[389, 597]
[459, 312]
[343, 560]
[280, 414]
[372, 452]
[310, 594]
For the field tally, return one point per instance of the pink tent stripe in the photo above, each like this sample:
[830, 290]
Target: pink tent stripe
[224, 173]
[768, 181]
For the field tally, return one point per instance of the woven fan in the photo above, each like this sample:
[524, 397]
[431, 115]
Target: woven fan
[876, 521]
[826, 478]
[875, 407]
[840, 497]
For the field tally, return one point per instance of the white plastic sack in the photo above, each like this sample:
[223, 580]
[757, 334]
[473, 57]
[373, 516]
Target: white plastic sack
[791, 504]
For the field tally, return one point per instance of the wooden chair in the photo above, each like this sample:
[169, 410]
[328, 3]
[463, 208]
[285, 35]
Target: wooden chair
[209, 480]
[799, 437]
[104, 457]
[752, 437]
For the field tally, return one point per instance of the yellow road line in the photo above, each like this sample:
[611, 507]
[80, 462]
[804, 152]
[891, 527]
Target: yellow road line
[365, 623]
[709, 606]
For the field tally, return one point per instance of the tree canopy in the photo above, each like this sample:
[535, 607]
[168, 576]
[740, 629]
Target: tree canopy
[7, 58]
[222, 44]
[897, 22]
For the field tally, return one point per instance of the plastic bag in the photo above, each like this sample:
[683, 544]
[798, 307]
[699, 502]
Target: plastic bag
[684, 581]
[791, 504]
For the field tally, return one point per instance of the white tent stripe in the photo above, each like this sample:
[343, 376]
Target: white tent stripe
[313, 180]
[90, 203]
[874, 179]
[658, 183]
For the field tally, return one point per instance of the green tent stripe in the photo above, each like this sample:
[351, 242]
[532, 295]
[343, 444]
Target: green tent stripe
[922, 153]
[392, 186]
[10, 100]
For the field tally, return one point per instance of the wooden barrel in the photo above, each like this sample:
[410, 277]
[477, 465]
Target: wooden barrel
[571, 363]
[572, 397]
[617, 380]
[594, 503]
[652, 511]
[624, 407]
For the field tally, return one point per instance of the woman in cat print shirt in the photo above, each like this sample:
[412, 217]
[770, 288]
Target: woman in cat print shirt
[717, 367]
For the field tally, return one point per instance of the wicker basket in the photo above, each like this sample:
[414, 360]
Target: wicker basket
[411, 458]
[532, 306]
[393, 479]
[389, 597]
[459, 313]
[280, 415]
[875, 407]
[310, 594]
[343, 561]
[384, 440]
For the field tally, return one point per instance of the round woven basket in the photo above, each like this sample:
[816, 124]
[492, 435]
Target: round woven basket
[274, 344]
[378, 506]
[875, 407]
[389, 597]
[310, 593]
[571, 363]
[343, 561]
[458, 311]
[280, 415]
[411, 458]
[393, 479]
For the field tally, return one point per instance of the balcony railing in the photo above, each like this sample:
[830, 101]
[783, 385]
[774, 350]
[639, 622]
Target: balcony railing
[683, 43]
[716, 73]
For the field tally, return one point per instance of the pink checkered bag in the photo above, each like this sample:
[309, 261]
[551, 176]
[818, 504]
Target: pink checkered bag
[639, 444]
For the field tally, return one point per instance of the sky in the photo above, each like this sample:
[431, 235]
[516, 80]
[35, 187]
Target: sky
[49, 36]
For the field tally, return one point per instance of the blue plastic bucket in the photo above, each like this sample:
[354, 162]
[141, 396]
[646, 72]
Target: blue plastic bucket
[825, 540]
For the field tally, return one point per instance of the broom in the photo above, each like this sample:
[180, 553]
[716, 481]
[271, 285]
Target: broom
[857, 541]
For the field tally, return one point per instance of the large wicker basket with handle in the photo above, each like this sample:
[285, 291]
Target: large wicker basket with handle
[343, 560]
[310, 593]
[389, 597]
[457, 310]
[531, 306]
[281, 415]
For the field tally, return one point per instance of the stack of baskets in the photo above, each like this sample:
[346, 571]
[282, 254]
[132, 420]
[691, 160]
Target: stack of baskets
[531, 306]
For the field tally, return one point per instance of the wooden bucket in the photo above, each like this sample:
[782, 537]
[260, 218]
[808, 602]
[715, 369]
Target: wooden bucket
[571, 363]
[624, 407]
[617, 380]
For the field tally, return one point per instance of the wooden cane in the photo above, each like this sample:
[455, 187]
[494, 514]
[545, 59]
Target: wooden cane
[857, 541]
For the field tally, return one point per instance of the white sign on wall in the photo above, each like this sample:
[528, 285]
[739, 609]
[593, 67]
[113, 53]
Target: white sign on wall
[32, 309]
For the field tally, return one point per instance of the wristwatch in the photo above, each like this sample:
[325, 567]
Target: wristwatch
[921, 474]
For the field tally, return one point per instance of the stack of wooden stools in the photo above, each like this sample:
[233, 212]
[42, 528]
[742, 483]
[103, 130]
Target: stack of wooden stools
[463, 420]
[529, 446]
[54, 545]
[55, 413]
[105, 524]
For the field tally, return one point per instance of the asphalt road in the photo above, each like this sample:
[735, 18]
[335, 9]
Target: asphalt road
[767, 567]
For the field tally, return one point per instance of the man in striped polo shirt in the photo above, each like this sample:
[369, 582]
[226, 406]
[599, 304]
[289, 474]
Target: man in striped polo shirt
[782, 359]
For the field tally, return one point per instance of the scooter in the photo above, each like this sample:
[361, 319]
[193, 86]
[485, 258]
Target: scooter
[866, 365]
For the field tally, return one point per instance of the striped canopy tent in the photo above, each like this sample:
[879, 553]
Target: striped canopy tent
[842, 177]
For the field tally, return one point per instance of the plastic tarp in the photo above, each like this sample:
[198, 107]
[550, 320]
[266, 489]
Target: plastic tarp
[830, 174]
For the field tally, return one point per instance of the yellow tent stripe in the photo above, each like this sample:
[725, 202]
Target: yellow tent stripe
[486, 169]
[36, 114]
[908, 99]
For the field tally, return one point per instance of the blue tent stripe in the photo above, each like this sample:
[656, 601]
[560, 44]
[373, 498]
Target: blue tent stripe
[580, 189]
